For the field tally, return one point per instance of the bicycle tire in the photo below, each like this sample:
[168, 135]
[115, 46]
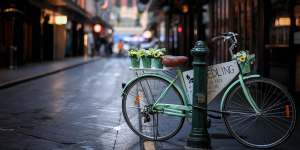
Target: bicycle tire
[278, 113]
[171, 122]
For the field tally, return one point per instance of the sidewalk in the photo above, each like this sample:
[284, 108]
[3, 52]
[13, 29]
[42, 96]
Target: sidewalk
[29, 72]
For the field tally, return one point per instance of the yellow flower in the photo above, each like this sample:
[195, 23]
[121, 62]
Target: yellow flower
[242, 58]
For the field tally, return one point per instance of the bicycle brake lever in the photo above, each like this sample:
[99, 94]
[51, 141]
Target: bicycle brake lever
[217, 38]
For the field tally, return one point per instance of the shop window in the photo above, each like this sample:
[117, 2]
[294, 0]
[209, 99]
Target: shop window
[280, 24]
[297, 42]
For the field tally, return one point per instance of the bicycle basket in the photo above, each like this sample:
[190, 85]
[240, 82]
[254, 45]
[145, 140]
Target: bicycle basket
[244, 60]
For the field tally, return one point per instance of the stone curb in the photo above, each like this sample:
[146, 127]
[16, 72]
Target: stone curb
[8, 84]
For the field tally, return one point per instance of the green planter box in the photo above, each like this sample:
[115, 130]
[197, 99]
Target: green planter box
[156, 63]
[146, 62]
[135, 62]
[245, 67]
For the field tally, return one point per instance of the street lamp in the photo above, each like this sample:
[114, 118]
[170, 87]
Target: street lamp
[147, 34]
[61, 20]
[179, 28]
[97, 28]
[109, 31]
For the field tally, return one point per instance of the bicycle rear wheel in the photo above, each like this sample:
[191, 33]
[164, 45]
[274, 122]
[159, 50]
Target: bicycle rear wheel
[138, 98]
[272, 126]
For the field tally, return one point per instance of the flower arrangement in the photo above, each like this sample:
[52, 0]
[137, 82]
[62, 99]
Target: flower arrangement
[134, 58]
[133, 53]
[156, 53]
[245, 60]
[244, 56]
[150, 58]
[142, 53]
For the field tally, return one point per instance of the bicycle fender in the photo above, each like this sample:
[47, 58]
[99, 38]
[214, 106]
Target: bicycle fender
[124, 86]
[233, 85]
[154, 75]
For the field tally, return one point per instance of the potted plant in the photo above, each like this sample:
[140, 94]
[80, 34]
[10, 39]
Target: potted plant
[244, 60]
[156, 55]
[134, 58]
[145, 56]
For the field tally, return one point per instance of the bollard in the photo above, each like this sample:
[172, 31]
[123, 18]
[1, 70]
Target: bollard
[12, 57]
[198, 137]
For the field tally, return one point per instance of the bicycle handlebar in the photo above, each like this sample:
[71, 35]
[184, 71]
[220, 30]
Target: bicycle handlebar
[231, 36]
[226, 36]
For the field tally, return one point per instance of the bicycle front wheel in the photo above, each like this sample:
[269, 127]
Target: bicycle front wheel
[266, 129]
[138, 99]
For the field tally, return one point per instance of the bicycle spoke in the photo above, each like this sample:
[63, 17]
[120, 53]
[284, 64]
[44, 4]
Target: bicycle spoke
[279, 118]
[243, 129]
[240, 120]
[240, 113]
[273, 109]
[275, 122]
[274, 125]
[269, 91]
[245, 102]
[238, 104]
[146, 90]
[278, 103]
[272, 101]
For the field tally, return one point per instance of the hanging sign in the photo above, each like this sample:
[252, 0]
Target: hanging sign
[218, 77]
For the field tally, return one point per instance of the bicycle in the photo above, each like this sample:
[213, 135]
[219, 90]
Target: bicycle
[155, 106]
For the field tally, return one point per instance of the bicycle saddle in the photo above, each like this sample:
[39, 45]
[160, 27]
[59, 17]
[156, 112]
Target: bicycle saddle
[174, 61]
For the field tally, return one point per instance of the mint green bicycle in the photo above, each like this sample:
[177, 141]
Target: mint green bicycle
[257, 112]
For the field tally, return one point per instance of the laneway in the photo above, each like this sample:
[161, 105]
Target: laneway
[80, 109]
[76, 109]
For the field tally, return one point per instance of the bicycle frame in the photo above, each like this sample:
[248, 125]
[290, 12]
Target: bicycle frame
[173, 109]
[184, 110]
[246, 92]
[233, 40]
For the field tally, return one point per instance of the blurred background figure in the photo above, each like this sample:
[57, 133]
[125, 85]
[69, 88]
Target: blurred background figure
[91, 44]
[120, 48]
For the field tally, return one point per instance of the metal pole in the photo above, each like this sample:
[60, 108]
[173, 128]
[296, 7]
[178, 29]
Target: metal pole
[12, 48]
[198, 137]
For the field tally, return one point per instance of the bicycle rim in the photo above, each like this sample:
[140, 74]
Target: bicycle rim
[268, 129]
[139, 96]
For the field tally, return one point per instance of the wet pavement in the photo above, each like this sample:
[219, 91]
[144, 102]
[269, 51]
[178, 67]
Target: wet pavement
[77, 109]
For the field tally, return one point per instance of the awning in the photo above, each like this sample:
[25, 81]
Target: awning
[73, 11]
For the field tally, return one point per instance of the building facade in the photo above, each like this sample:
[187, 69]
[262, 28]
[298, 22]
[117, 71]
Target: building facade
[45, 30]
[268, 28]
